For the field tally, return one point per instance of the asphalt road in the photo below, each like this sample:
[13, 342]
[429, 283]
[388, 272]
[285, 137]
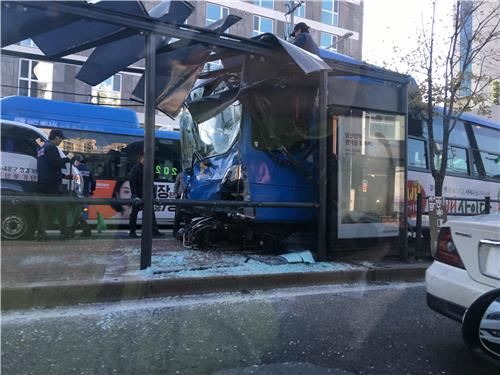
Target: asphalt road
[350, 329]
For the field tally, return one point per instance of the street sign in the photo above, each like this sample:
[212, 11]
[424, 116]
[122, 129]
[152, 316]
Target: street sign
[437, 217]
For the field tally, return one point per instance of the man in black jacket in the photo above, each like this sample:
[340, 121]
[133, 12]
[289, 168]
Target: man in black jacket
[303, 39]
[136, 187]
[49, 164]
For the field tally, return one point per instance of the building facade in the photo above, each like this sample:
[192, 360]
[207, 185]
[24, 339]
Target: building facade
[334, 24]
[486, 66]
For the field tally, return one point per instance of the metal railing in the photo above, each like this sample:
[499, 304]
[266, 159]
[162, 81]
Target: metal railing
[72, 200]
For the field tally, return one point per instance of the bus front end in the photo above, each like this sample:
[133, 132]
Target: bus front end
[258, 147]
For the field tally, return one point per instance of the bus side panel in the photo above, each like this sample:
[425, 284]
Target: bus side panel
[115, 214]
[270, 181]
[454, 187]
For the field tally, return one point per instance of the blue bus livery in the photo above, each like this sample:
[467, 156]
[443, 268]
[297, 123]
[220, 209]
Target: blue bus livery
[110, 140]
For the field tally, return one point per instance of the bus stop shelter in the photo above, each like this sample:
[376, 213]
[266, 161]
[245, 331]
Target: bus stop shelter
[124, 32]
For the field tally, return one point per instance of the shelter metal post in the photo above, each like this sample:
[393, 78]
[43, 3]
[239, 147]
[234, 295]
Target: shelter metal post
[323, 183]
[418, 229]
[149, 150]
[403, 228]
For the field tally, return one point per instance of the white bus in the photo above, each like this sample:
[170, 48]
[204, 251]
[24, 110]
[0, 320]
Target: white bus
[472, 171]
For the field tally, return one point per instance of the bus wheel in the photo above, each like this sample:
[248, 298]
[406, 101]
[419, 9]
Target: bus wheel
[16, 225]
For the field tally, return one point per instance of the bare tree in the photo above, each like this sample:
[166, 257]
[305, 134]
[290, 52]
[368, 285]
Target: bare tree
[454, 80]
[474, 29]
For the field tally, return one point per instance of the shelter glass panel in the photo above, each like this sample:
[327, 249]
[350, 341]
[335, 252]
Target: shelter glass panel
[371, 174]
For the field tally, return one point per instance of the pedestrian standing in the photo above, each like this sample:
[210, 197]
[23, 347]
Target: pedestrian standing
[49, 165]
[179, 185]
[136, 175]
[89, 185]
[303, 39]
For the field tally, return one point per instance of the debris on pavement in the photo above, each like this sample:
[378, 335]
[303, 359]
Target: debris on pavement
[304, 256]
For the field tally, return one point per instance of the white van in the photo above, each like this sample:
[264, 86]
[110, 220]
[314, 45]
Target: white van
[19, 177]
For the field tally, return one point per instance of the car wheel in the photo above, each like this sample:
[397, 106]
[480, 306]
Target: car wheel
[16, 225]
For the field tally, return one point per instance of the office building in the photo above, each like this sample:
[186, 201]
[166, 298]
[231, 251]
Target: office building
[335, 24]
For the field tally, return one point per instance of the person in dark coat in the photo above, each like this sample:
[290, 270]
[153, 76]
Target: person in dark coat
[136, 175]
[89, 185]
[303, 39]
[49, 165]
[89, 182]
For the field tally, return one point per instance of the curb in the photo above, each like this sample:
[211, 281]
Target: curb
[82, 292]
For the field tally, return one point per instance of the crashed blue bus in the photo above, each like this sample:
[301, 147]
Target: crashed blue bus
[249, 132]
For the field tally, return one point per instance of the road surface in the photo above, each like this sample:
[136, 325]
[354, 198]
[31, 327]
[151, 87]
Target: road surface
[341, 329]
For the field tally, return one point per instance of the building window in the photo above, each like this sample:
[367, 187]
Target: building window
[301, 11]
[108, 92]
[264, 3]
[328, 41]
[330, 12]
[215, 13]
[35, 79]
[262, 25]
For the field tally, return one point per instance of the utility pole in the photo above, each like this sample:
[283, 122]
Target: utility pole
[291, 6]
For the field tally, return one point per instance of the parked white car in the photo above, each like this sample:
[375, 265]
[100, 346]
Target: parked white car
[466, 265]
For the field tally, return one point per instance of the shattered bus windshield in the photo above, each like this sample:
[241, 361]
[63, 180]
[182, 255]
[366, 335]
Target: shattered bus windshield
[216, 135]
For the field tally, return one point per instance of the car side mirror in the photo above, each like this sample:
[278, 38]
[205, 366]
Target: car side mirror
[481, 326]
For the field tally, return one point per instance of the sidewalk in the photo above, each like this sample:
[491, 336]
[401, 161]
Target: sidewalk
[106, 268]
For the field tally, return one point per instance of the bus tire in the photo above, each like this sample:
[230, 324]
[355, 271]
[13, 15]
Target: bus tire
[17, 224]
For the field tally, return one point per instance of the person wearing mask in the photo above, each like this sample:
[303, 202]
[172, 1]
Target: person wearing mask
[49, 165]
[136, 175]
[303, 39]
[89, 185]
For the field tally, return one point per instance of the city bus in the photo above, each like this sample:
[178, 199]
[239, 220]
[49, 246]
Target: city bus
[472, 170]
[110, 140]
